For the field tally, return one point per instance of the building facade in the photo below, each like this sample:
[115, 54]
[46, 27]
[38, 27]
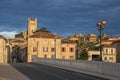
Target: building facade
[68, 50]
[109, 54]
[48, 45]
[92, 38]
[19, 49]
[3, 50]
[117, 45]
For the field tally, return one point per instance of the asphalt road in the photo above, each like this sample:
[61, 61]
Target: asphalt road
[43, 72]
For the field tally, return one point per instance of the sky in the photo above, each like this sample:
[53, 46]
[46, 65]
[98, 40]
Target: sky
[62, 17]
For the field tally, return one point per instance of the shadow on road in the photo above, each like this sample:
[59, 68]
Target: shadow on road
[43, 72]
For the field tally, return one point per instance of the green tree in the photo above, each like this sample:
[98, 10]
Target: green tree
[94, 48]
[43, 30]
[83, 55]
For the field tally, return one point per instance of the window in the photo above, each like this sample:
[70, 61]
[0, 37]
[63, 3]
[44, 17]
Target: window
[71, 57]
[52, 49]
[111, 58]
[34, 49]
[52, 56]
[63, 49]
[105, 58]
[45, 49]
[45, 42]
[106, 51]
[71, 50]
[45, 56]
[111, 51]
[63, 57]
[53, 41]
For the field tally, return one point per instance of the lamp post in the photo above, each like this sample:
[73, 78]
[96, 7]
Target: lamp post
[101, 26]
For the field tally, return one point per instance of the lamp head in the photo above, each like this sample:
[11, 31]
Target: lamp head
[99, 23]
[103, 22]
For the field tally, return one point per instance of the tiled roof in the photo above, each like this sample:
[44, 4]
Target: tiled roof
[108, 46]
[17, 40]
[109, 40]
[116, 41]
[76, 36]
[41, 34]
[67, 41]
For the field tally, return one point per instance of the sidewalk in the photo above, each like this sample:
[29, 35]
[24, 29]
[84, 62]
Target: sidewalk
[7, 72]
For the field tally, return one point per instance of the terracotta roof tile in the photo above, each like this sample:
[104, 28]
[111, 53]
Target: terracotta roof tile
[41, 34]
[116, 41]
[67, 41]
[108, 46]
[109, 40]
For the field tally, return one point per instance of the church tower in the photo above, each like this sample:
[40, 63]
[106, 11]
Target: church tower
[32, 26]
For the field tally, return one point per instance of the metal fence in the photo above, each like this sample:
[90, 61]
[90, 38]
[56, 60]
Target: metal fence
[91, 66]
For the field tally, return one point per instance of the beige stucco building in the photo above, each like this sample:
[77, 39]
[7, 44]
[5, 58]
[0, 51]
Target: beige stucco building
[117, 45]
[108, 54]
[48, 45]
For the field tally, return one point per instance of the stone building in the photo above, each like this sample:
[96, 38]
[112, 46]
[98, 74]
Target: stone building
[32, 26]
[47, 45]
[73, 38]
[34, 43]
[21, 35]
[77, 37]
[3, 50]
[117, 45]
[68, 49]
[111, 50]
[108, 54]
[19, 49]
[92, 38]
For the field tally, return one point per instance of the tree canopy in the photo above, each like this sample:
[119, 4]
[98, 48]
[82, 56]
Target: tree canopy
[43, 30]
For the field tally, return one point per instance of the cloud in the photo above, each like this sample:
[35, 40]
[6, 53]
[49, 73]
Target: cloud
[7, 34]
[60, 16]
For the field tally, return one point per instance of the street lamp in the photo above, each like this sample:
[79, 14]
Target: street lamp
[101, 26]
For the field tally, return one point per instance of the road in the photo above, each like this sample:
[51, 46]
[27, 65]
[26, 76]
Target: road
[43, 72]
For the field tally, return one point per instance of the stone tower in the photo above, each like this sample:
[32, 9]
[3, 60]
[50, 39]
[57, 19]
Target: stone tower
[32, 26]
